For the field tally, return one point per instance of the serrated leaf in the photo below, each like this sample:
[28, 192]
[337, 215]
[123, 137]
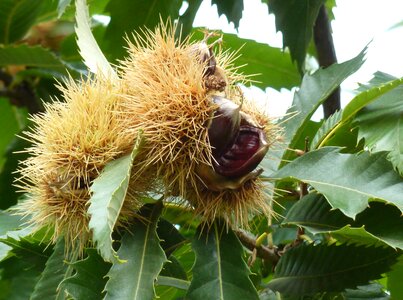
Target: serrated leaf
[383, 221]
[219, 271]
[108, 194]
[136, 15]
[378, 224]
[295, 19]
[231, 9]
[54, 272]
[309, 269]
[314, 90]
[61, 7]
[325, 128]
[368, 96]
[380, 123]
[348, 181]
[358, 236]
[10, 226]
[16, 17]
[373, 291]
[140, 247]
[33, 56]
[89, 280]
[171, 239]
[92, 55]
[314, 213]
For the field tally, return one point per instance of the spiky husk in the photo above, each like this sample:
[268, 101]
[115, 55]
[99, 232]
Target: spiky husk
[162, 92]
[166, 96]
[72, 142]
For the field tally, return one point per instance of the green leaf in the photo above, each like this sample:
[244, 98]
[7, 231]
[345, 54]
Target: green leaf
[8, 174]
[170, 237]
[383, 221]
[22, 270]
[33, 56]
[54, 273]
[61, 7]
[368, 96]
[378, 224]
[134, 279]
[89, 280]
[358, 236]
[16, 17]
[268, 66]
[231, 9]
[11, 123]
[219, 271]
[373, 291]
[92, 55]
[173, 282]
[381, 123]
[173, 268]
[325, 128]
[395, 276]
[314, 90]
[314, 213]
[295, 19]
[348, 181]
[108, 194]
[10, 226]
[128, 16]
[309, 269]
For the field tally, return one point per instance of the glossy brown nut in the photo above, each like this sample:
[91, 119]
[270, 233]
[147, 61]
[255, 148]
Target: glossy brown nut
[224, 126]
[244, 155]
[239, 144]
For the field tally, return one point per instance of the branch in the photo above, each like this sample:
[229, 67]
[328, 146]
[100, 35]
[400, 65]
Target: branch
[323, 39]
[262, 251]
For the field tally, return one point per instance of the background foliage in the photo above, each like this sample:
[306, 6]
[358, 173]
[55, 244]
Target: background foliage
[338, 181]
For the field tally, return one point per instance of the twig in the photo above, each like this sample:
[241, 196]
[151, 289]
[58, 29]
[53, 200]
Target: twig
[262, 251]
[326, 55]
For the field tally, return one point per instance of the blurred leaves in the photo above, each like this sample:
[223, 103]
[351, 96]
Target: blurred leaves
[34, 56]
[16, 17]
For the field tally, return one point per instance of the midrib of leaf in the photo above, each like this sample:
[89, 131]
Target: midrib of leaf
[142, 259]
[217, 239]
[8, 23]
[341, 187]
